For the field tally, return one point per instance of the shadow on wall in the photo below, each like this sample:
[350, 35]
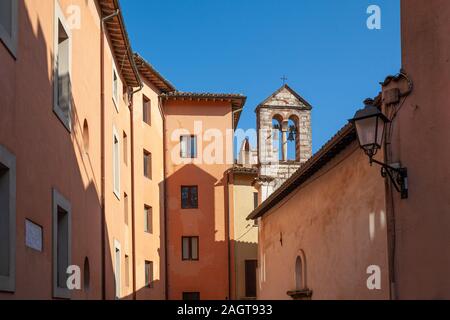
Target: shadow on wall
[60, 160]
[208, 222]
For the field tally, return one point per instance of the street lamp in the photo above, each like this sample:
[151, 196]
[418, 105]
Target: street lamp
[370, 124]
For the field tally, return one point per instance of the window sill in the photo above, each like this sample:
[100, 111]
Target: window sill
[117, 194]
[61, 293]
[116, 104]
[187, 260]
[66, 122]
[249, 298]
[10, 45]
[305, 294]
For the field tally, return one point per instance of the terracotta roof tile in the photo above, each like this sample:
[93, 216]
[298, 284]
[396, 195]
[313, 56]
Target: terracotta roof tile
[237, 100]
[120, 43]
[152, 75]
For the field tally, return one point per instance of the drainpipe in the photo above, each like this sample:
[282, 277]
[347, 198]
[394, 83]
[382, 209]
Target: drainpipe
[227, 218]
[102, 137]
[166, 258]
[133, 198]
[227, 224]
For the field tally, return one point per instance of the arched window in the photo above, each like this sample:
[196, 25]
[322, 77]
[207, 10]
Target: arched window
[299, 281]
[86, 274]
[300, 272]
[277, 126]
[293, 139]
[86, 136]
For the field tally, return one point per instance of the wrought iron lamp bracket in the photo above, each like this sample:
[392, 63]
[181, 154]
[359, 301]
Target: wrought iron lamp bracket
[398, 177]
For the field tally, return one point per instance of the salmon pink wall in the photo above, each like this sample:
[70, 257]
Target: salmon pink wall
[47, 155]
[337, 220]
[420, 142]
[209, 275]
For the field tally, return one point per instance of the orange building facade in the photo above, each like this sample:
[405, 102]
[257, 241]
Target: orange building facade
[199, 139]
[88, 186]
[72, 157]
[114, 185]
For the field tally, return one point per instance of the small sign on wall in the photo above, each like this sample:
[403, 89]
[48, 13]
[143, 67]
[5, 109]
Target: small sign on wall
[33, 235]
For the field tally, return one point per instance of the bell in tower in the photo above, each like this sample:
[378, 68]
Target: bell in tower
[284, 138]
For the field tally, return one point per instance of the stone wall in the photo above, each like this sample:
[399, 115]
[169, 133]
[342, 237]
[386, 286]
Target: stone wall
[283, 105]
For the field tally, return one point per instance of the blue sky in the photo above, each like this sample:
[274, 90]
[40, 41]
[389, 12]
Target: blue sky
[245, 46]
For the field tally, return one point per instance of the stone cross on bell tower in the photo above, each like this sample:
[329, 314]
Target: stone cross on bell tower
[282, 119]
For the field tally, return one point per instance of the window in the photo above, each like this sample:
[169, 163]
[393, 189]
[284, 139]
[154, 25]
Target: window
[86, 137]
[125, 208]
[149, 274]
[188, 145]
[191, 296]
[250, 278]
[86, 274]
[147, 110]
[33, 235]
[255, 200]
[190, 248]
[117, 269]
[8, 24]
[62, 95]
[189, 197]
[125, 148]
[148, 219]
[127, 271]
[147, 164]
[7, 220]
[61, 244]
[115, 87]
[116, 164]
[299, 283]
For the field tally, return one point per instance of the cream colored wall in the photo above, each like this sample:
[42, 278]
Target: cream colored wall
[149, 247]
[116, 228]
[338, 219]
[245, 234]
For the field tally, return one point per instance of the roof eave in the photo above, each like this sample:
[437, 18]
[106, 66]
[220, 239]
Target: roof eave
[128, 69]
[166, 85]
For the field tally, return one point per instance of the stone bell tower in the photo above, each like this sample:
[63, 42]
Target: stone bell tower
[282, 119]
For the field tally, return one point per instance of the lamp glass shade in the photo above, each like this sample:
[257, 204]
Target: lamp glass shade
[370, 124]
[370, 132]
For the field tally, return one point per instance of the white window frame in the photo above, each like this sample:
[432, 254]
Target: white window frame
[186, 149]
[10, 41]
[60, 201]
[59, 17]
[8, 283]
[114, 98]
[116, 188]
[117, 273]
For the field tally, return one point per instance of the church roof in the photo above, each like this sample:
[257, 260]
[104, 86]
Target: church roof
[303, 102]
[332, 148]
